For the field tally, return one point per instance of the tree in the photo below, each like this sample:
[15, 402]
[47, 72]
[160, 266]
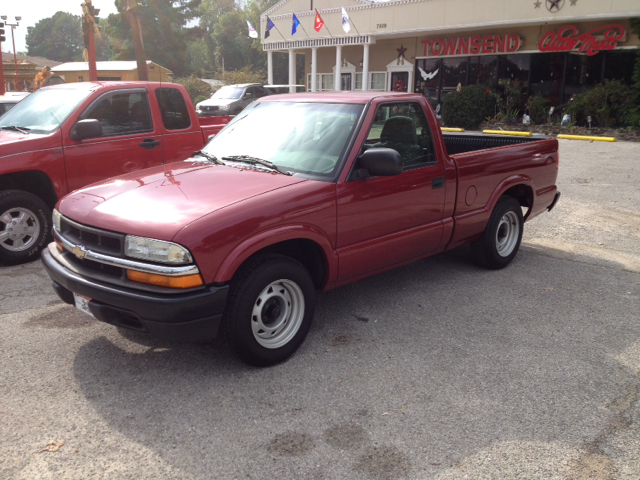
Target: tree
[57, 38]
[164, 32]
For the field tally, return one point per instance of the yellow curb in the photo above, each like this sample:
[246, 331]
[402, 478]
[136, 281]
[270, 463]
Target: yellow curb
[447, 129]
[584, 137]
[507, 132]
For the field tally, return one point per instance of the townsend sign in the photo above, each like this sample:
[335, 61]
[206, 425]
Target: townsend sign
[471, 45]
[591, 42]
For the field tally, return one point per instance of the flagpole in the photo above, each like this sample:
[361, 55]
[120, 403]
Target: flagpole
[274, 26]
[354, 26]
[323, 23]
[303, 29]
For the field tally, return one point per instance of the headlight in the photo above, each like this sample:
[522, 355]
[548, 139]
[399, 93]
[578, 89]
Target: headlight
[56, 219]
[155, 250]
[224, 107]
[198, 106]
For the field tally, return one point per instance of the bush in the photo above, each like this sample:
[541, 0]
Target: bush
[538, 109]
[468, 108]
[196, 88]
[606, 104]
[246, 75]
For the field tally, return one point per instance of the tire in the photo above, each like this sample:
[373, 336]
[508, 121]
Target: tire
[25, 227]
[500, 241]
[269, 310]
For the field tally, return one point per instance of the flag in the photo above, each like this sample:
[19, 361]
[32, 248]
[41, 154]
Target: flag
[252, 31]
[295, 24]
[319, 23]
[346, 23]
[270, 25]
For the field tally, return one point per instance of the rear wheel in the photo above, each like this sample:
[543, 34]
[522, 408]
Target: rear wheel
[25, 226]
[269, 309]
[499, 243]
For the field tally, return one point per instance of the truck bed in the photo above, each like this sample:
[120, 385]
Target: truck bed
[468, 142]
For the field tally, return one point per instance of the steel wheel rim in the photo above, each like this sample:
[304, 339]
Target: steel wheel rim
[19, 229]
[277, 314]
[507, 234]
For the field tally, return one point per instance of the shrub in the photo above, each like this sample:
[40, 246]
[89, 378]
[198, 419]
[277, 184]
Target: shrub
[196, 88]
[538, 108]
[467, 108]
[246, 75]
[606, 104]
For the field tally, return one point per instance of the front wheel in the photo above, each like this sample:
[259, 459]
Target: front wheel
[25, 226]
[269, 310]
[500, 241]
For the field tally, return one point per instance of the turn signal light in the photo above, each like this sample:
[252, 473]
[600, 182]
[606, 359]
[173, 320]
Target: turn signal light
[59, 245]
[188, 281]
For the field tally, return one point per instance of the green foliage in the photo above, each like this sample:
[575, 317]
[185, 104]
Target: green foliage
[468, 108]
[509, 101]
[538, 107]
[606, 104]
[196, 88]
[57, 38]
[244, 75]
[632, 114]
[164, 32]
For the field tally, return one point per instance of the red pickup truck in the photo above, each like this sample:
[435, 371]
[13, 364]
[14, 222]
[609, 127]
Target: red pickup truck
[299, 193]
[67, 136]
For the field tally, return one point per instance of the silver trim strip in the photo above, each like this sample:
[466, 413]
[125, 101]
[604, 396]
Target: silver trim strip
[123, 263]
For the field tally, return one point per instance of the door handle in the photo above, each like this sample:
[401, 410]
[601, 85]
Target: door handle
[149, 143]
[437, 182]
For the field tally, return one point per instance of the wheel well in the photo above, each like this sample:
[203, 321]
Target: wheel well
[306, 252]
[34, 181]
[523, 194]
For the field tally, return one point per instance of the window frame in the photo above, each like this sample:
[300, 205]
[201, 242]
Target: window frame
[86, 112]
[188, 112]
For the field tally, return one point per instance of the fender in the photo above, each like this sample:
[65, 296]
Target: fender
[470, 225]
[266, 238]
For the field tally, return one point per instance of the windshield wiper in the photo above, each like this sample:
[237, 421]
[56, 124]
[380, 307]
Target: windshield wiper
[17, 129]
[256, 161]
[208, 156]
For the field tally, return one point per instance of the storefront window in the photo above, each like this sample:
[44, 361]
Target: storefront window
[583, 72]
[483, 70]
[454, 73]
[546, 76]
[427, 76]
[618, 65]
[513, 80]
[378, 81]
[327, 81]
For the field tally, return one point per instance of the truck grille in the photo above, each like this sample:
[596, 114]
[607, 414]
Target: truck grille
[209, 108]
[97, 240]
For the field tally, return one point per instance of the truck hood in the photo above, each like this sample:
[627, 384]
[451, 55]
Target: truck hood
[12, 143]
[160, 201]
[218, 102]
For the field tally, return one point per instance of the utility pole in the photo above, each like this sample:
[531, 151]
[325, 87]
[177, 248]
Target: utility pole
[13, 38]
[89, 26]
[2, 39]
[141, 56]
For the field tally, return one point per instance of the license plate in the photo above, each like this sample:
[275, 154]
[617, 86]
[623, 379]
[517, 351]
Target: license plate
[82, 304]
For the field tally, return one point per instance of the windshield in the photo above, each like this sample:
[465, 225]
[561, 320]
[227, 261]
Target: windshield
[228, 92]
[45, 110]
[299, 137]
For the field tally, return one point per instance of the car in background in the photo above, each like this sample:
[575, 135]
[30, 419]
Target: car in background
[9, 99]
[282, 89]
[230, 99]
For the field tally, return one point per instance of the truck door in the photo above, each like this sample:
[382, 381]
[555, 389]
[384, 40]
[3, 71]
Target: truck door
[181, 136]
[383, 221]
[129, 141]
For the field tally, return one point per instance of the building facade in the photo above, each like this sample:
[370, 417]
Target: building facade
[111, 71]
[552, 48]
[27, 69]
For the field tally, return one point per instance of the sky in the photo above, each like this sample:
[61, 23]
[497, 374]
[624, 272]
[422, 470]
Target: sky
[32, 11]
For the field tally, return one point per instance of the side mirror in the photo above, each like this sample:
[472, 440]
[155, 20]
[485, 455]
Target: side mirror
[211, 137]
[379, 162]
[88, 128]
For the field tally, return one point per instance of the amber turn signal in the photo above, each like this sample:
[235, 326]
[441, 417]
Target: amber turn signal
[188, 281]
[58, 244]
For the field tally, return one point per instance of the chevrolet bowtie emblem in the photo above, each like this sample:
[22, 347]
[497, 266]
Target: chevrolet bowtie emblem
[79, 252]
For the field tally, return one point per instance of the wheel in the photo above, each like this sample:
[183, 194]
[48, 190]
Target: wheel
[269, 310]
[25, 226]
[499, 243]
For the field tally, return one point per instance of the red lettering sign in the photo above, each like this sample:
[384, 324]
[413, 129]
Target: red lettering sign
[567, 39]
[471, 45]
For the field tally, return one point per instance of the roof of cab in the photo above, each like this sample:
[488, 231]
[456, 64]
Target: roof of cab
[337, 97]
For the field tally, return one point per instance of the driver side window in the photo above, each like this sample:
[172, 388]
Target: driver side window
[403, 127]
[122, 114]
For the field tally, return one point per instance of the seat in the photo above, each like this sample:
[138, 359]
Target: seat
[399, 133]
[140, 114]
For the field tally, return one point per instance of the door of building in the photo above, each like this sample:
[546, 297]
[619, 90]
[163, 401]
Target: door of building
[399, 81]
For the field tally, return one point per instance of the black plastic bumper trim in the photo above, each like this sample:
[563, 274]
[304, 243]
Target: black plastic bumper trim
[555, 200]
[191, 316]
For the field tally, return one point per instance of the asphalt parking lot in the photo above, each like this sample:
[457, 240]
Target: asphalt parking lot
[436, 370]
